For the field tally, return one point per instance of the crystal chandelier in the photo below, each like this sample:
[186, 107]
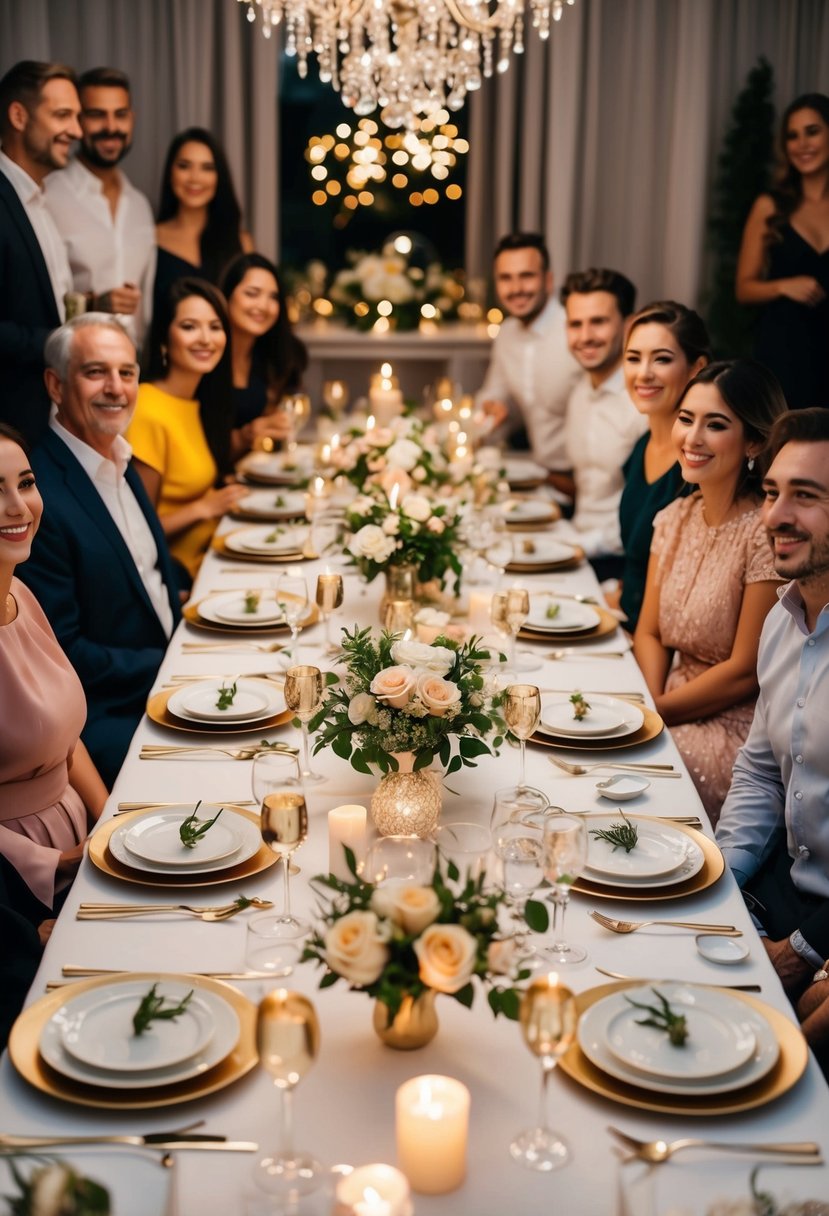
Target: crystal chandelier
[407, 57]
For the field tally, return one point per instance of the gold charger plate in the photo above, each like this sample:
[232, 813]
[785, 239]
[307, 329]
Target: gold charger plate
[713, 867]
[794, 1055]
[158, 712]
[607, 625]
[103, 860]
[651, 728]
[25, 1054]
[564, 563]
[269, 559]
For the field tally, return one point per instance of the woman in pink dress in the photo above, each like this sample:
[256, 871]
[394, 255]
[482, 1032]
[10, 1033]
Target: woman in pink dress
[711, 580]
[50, 791]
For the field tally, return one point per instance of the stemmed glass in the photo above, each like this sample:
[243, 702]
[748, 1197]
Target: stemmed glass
[329, 599]
[508, 612]
[304, 691]
[565, 856]
[292, 597]
[518, 846]
[499, 548]
[522, 713]
[335, 396]
[297, 409]
[277, 788]
[548, 1025]
[287, 1041]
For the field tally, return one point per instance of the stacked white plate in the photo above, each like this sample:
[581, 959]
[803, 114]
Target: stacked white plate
[730, 1043]
[231, 609]
[153, 843]
[609, 718]
[568, 616]
[278, 468]
[528, 511]
[520, 472]
[663, 856]
[91, 1037]
[254, 701]
[541, 550]
[268, 504]
[264, 540]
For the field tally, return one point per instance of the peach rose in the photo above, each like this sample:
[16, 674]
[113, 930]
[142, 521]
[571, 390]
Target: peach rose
[437, 694]
[412, 908]
[394, 685]
[446, 954]
[355, 949]
[502, 957]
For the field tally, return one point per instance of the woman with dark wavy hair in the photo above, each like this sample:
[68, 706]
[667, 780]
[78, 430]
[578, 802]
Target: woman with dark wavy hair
[784, 257]
[199, 225]
[711, 579]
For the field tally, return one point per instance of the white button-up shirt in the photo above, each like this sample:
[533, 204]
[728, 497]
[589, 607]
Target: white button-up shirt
[107, 476]
[32, 197]
[532, 367]
[105, 250]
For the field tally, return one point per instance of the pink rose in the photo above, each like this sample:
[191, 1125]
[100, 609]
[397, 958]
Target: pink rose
[394, 685]
[437, 694]
[446, 954]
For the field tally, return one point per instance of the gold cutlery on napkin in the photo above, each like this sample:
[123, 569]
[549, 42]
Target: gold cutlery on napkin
[657, 1151]
[631, 926]
[636, 979]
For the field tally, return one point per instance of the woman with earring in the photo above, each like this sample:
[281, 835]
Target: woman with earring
[180, 432]
[711, 580]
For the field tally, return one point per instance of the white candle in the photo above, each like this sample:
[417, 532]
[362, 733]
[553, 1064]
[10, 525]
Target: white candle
[374, 1190]
[346, 826]
[432, 1129]
[479, 609]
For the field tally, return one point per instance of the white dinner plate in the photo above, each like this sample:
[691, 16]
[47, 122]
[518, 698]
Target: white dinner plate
[571, 615]
[717, 1044]
[230, 608]
[609, 717]
[254, 701]
[542, 549]
[273, 504]
[658, 850]
[278, 468]
[528, 511]
[264, 539]
[225, 1023]
[594, 1024]
[98, 1030]
[691, 863]
[519, 472]
[250, 844]
[157, 838]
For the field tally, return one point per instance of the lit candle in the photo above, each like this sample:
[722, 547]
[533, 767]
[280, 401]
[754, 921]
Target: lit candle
[432, 1116]
[385, 397]
[374, 1190]
[479, 609]
[346, 826]
[370, 422]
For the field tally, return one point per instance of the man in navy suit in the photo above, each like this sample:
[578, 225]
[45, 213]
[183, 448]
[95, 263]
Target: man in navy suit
[39, 110]
[99, 565]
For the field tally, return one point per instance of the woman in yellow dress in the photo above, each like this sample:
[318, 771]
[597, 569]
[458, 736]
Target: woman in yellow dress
[180, 432]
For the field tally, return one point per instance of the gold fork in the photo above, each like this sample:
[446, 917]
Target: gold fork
[125, 912]
[657, 1151]
[579, 770]
[630, 926]
[568, 652]
[259, 647]
[156, 751]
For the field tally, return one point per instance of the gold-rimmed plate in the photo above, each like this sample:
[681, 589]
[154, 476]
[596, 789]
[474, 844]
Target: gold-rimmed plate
[265, 506]
[102, 858]
[25, 1055]
[219, 545]
[711, 871]
[158, 712]
[651, 728]
[192, 613]
[607, 625]
[794, 1055]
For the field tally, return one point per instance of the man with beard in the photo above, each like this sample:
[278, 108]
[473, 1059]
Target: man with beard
[99, 564]
[530, 375]
[38, 123]
[106, 224]
[774, 826]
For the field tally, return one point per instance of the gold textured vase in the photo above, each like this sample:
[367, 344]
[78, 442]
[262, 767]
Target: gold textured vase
[415, 1025]
[407, 803]
[401, 584]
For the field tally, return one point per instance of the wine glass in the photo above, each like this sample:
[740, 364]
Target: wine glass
[292, 597]
[304, 691]
[565, 856]
[329, 599]
[399, 860]
[522, 712]
[297, 410]
[519, 848]
[499, 548]
[466, 845]
[548, 1024]
[508, 612]
[335, 396]
[287, 1042]
[277, 788]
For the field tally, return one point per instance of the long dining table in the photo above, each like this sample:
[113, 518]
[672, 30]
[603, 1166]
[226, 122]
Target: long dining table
[345, 1106]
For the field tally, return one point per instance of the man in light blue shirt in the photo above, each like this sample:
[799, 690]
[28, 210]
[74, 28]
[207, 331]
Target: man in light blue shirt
[774, 827]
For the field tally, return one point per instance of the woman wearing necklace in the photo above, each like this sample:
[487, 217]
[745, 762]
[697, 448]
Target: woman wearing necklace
[50, 791]
[711, 581]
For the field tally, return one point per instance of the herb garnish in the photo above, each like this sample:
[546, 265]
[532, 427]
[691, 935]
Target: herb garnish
[279, 501]
[152, 1006]
[581, 708]
[252, 599]
[621, 835]
[226, 696]
[553, 609]
[674, 1024]
[274, 536]
[193, 829]
[528, 546]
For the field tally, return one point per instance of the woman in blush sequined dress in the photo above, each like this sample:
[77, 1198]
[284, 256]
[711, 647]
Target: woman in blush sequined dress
[711, 580]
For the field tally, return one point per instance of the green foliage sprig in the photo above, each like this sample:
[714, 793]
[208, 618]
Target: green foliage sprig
[153, 1008]
[662, 1017]
[193, 830]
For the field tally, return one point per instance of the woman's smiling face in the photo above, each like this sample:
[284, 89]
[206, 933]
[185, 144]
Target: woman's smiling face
[20, 503]
[196, 338]
[656, 368]
[253, 305]
[710, 438]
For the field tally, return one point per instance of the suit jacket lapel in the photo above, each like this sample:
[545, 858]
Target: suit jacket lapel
[18, 216]
[164, 563]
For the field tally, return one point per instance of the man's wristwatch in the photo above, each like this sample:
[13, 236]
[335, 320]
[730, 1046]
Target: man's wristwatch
[822, 974]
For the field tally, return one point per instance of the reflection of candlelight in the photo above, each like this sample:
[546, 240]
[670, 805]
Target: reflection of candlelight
[335, 442]
[432, 1128]
[374, 1190]
[370, 422]
[394, 494]
[385, 370]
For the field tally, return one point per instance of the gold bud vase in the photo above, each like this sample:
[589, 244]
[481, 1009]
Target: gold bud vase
[415, 1024]
[407, 803]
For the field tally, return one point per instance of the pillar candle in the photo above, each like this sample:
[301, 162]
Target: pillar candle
[479, 606]
[346, 826]
[432, 1128]
[374, 1190]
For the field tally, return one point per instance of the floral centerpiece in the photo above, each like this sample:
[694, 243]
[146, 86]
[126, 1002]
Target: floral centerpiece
[391, 280]
[408, 529]
[56, 1189]
[405, 453]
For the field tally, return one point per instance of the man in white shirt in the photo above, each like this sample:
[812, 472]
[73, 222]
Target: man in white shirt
[39, 110]
[106, 224]
[602, 423]
[530, 369]
[99, 564]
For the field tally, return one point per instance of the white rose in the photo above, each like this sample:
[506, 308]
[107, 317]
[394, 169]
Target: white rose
[416, 507]
[372, 542]
[361, 708]
[403, 453]
[412, 908]
[439, 660]
[501, 957]
[355, 949]
[391, 525]
[361, 505]
[394, 685]
[446, 954]
[437, 694]
[379, 437]
[49, 1187]
[436, 525]
[419, 473]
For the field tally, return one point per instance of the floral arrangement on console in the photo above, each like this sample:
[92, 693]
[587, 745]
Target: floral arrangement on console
[410, 529]
[389, 279]
[405, 696]
[403, 940]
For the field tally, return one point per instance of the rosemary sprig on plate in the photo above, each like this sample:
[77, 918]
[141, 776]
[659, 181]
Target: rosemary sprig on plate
[663, 1018]
[553, 609]
[581, 708]
[621, 835]
[274, 536]
[153, 1006]
[192, 829]
[226, 695]
[252, 599]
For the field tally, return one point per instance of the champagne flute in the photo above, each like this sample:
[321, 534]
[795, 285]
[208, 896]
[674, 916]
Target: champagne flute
[335, 396]
[292, 596]
[565, 856]
[287, 1042]
[548, 1025]
[508, 612]
[304, 691]
[329, 599]
[522, 712]
[277, 788]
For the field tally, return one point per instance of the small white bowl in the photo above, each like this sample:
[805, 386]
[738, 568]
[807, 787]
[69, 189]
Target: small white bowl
[622, 787]
[723, 950]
